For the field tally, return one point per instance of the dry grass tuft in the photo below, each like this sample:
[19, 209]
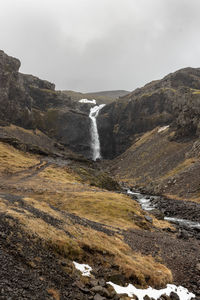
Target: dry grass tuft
[54, 293]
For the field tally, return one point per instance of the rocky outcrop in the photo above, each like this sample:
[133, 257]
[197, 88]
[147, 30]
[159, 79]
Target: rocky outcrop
[32, 103]
[14, 101]
[174, 100]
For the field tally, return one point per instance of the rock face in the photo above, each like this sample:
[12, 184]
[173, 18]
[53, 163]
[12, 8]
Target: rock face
[174, 100]
[31, 103]
[13, 99]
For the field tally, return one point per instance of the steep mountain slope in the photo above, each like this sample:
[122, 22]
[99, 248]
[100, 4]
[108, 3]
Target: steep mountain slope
[174, 101]
[154, 135]
[30, 102]
[159, 165]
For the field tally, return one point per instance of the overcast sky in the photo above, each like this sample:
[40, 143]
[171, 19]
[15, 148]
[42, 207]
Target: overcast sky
[93, 45]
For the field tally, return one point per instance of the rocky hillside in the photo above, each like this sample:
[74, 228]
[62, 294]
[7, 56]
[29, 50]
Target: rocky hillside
[154, 135]
[32, 103]
[174, 101]
[158, 164]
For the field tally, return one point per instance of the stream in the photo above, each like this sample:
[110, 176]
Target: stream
[174, 211]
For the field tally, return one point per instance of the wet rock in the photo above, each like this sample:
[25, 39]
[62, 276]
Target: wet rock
[93, 282]
[124, 297]
[198, 267]
[98, 297]
[102, 282]
[183, 234]
[158, 214]
[134, 297]
[174, 296]
[100, 290]
[149, 219]
[147, 298]
[164, 297]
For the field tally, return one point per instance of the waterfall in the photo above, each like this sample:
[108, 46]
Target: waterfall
[95, 143]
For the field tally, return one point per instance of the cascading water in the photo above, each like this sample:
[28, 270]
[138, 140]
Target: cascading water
[95, 143]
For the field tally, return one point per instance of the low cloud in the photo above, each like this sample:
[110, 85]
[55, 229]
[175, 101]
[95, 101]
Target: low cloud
[88, 45]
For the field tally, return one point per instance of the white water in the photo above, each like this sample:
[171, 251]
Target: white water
[143, 200]
[183, 222]
[95, 143]
[146, 205]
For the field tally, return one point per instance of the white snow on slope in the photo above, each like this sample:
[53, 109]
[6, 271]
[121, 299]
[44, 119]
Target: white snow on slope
[93, 101]
[84, 269]
[163, 128]
[130, 290]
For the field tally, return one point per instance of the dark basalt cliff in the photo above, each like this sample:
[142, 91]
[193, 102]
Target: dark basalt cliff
[174, 101]
[32, 103]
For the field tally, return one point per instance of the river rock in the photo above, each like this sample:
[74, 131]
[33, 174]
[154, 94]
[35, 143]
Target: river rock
[183, 234]
[100, 290]
[164, 297]
[98, 297]
[198, 267]
[102, 282]
[149, 219]
[174, 296]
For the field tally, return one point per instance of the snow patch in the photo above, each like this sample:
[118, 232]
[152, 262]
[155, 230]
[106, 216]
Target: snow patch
[93, 101]
[84, 269]
[130, 290]
[163, 128]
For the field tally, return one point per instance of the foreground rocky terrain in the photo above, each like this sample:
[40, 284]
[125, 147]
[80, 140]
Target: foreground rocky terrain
[57, 206]
[51, 216]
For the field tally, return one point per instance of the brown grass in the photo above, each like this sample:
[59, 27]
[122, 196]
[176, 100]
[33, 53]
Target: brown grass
[179, 168]
[13, 160]
[54, 293]
[83, 244]
[89, 245]
[62, 175]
